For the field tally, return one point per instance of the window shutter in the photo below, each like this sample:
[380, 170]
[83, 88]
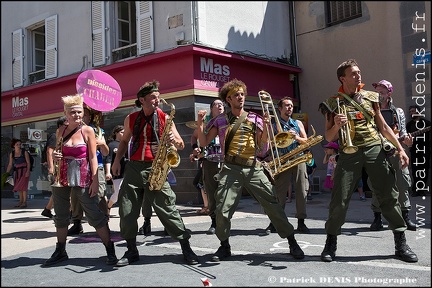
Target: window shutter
[17, 58]
[145, 40]
[51, 47]
[98, 30]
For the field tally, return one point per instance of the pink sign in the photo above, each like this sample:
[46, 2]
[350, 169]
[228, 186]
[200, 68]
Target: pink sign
[99, 89]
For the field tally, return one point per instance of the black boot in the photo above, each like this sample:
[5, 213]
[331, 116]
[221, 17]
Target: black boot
[131, 255]
[47, 213]
[190, 257]
[76, 228]
[270, 229]
[301, 227]
[146, 228]
[212, 229]
[377, 224]
[402, 250]
[295, 249]
[329, 251]
[111, 256]
[59, 255]
[410, 225]
[223, 251]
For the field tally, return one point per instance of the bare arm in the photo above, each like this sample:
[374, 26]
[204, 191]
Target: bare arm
[9, 167]
[122, 148]
[302, 136]
[91, 147]
[204, 138]
[27, 158]
[50, 160]
[175, 138]
[102, 146]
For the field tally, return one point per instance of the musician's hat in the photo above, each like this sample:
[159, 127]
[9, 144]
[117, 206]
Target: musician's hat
[384, 83]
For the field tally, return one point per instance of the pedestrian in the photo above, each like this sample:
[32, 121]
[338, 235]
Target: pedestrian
[298, 173]
[78, 175]
[92, 118]
[211, 163]
[420, 150]
[50, 147]
[356, 111]
[330, 158]
[146, 131]
[395, 119]
[115, 137]
[19, 165]
[246, 140]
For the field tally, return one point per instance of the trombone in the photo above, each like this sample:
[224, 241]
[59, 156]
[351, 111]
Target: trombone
[345, 130]
[283, 138]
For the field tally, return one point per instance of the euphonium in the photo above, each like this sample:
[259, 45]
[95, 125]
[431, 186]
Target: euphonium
[58, 148]
[281, 139]
[166, 156]
[345, 132]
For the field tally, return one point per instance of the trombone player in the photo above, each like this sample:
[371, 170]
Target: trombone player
[297, 136]
[366, 121]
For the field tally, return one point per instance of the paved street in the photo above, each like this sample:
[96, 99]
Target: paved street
[364, 258]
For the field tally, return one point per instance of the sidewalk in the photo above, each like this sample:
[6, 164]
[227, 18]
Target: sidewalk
[28, 239]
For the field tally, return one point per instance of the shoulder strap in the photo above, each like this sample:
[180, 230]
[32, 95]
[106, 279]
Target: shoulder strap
[66, 138]
[234, 129]
[358, 106]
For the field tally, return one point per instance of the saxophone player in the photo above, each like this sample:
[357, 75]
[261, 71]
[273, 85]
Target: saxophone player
[145, 129]
[297, 173]
[363, 113]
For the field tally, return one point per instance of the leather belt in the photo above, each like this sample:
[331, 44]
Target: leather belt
[242, 161]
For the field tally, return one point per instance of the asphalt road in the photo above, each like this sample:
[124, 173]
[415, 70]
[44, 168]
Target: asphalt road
[364, 258]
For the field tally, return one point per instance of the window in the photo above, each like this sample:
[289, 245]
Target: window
[37, 71]
[341, 11]
[126, 45]
[132, 32]
[41, 61]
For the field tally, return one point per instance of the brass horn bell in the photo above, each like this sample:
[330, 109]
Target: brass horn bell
[281, 139]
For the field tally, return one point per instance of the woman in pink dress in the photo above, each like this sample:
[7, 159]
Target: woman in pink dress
[19, 160]
[78, 174]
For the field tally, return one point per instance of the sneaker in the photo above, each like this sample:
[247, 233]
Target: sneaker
[47, 213]
[309, 197]
[362, 198]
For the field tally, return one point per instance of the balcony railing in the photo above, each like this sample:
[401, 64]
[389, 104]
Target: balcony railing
[124, 52]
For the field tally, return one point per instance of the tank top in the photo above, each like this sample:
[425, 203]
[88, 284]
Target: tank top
[74, 166]
[144, 142]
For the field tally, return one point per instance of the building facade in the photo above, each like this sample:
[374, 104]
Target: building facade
[288, 48]
[389, 40]
[191, 47]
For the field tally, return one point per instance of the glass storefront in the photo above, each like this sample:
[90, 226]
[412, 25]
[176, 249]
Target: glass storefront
[38, 184]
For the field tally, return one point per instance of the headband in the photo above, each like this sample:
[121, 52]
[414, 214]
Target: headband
[147, 90]
[75, 106]
[233, 91]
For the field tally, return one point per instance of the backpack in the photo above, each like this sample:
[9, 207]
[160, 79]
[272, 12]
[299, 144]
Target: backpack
[31, 157]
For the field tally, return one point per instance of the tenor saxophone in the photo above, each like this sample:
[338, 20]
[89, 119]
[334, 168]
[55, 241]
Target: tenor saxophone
[166, 156]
